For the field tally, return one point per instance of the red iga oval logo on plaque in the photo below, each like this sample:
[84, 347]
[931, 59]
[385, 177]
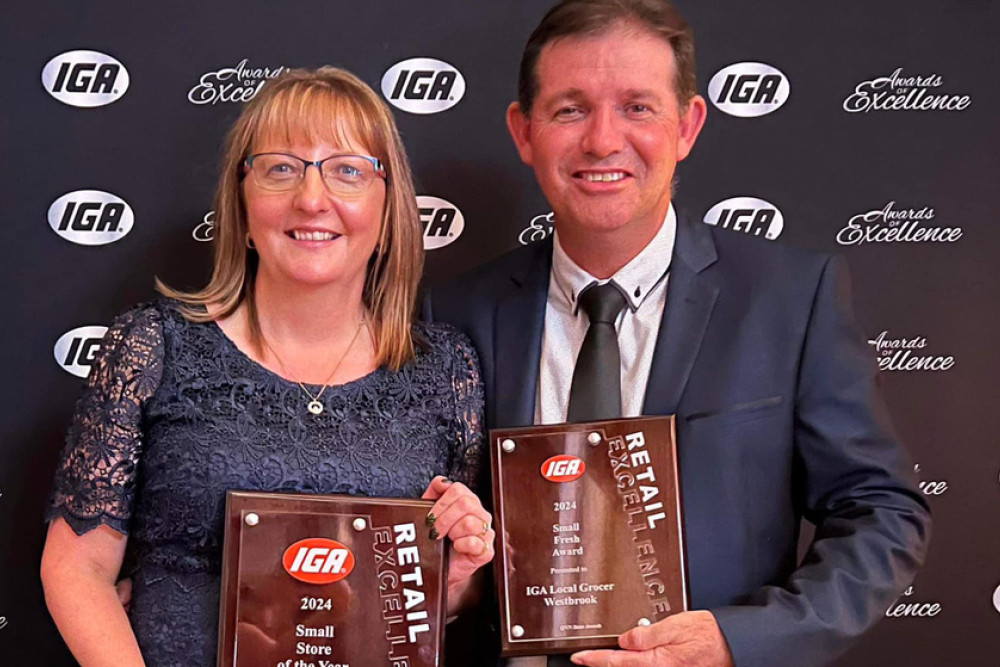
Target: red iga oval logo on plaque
[563, 468]
[317, 560]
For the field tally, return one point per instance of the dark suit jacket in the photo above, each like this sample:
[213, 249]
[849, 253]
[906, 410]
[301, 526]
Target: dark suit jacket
[778, 416]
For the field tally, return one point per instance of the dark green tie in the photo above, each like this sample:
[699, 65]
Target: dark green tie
[596, 390]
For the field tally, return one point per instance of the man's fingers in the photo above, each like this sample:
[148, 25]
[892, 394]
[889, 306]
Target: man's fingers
[661, 633]
[607, 658]
[691, 637]
[591, 658]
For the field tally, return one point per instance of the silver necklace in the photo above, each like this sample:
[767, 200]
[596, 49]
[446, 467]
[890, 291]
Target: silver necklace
[315, 406]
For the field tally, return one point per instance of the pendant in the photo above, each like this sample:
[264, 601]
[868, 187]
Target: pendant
[315, 407]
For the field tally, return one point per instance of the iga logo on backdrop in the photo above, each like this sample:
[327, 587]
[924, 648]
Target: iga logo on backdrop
[563, 468]
[748, 215]
[76, 350]
[317, 560]
[423, 85]
[749, 89]
[538, 229]
[907, 354]
[899, 92]
[896, 225]
[91, 217]
[204, 231]
[232, 84]
[85, 78]
[443, 222]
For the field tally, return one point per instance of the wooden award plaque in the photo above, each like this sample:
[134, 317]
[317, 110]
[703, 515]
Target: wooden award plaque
[329, 581]
[590, 541]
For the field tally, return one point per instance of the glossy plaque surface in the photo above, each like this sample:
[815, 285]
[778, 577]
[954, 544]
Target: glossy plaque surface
[590, 532]
[328, 581]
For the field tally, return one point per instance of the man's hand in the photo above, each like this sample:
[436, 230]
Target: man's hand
[689, 638]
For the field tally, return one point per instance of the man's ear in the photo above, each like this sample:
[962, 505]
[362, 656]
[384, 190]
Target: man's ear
[520, 131]
[690, 126]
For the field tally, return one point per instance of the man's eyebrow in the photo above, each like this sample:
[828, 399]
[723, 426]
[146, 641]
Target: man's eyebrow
[577, 95]
[567, 95]
[642, 93]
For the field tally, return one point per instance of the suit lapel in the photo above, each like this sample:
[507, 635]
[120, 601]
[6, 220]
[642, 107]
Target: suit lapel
[520, 318]
[690, 298]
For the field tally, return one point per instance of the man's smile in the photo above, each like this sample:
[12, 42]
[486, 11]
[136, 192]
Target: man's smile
[601, 176]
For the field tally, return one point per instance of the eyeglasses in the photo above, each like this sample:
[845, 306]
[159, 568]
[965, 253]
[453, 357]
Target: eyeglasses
[343, 174]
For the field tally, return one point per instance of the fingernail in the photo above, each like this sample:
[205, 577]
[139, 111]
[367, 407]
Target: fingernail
[445, 480]
[434, 533]
[431, 519]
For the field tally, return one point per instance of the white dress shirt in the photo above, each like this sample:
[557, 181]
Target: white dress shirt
[644, 282]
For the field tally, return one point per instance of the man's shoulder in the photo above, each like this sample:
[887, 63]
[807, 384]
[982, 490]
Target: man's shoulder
[496, 276]
[753, 258]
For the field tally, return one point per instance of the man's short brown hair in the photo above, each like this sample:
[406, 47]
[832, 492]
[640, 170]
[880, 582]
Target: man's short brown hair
[592, 17]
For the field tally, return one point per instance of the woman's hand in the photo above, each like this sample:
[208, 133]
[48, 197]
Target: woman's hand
[459, 515]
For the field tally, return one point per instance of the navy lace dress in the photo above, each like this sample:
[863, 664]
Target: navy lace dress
[174, 415]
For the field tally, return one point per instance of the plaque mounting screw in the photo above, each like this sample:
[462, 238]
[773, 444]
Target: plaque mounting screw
[360, 524]
[517, 631]
[508, 446]
[643, 621]
[251, 519]
[594, 438]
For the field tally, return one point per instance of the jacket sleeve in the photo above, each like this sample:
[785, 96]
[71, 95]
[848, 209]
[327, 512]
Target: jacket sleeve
[854, 482]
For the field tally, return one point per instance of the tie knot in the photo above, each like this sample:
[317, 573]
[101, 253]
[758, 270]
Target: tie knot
[602, 303]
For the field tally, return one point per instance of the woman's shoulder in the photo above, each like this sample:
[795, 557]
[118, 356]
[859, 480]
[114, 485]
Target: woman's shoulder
[437, 340]
[440, 336]
[154, 322]
[141, 320]
[158, 309]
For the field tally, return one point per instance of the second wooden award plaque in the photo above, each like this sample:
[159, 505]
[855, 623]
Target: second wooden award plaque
[590, 542]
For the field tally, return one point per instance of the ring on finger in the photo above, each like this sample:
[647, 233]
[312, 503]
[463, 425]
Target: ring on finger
[482, 533]
[486, 545]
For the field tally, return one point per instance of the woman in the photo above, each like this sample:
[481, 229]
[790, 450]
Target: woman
[298, 368]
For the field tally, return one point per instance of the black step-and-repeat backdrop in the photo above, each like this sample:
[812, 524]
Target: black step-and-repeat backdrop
[865, 128]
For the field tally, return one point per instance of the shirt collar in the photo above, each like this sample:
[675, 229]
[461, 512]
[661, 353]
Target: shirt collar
[637, 279]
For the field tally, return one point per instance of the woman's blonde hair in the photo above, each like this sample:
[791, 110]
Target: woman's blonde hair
[318, 105]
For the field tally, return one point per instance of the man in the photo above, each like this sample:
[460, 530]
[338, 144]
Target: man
[751, 344]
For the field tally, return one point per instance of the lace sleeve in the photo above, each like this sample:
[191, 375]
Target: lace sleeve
[95, 478]
[465, 464]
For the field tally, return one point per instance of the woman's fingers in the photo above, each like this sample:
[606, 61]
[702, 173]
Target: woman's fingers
[459, 515]
[470, 525]
[479, 549]
[468, 555]
[124, 590]
[436, 488]
[458, 508]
